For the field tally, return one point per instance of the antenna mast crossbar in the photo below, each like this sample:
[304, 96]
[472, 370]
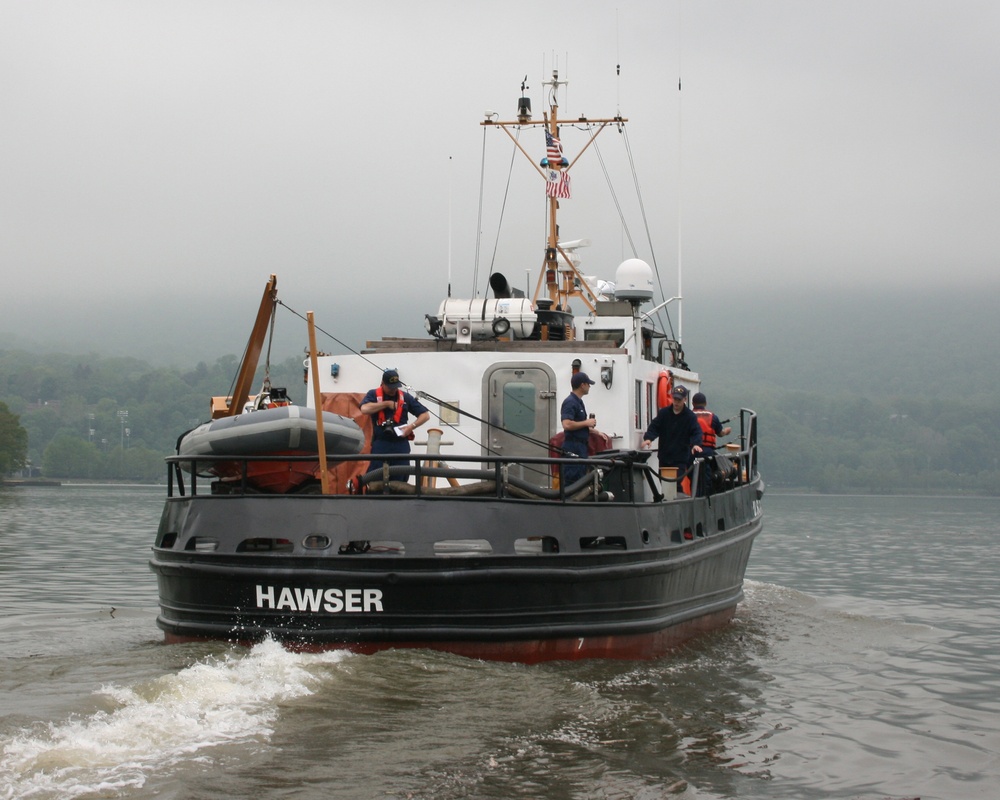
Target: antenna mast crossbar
[564, 281]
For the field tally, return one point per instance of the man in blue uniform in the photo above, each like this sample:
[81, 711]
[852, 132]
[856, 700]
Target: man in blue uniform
[390, 407]
[711, 430]
[679, 433]
[576, 425]
[711, 425]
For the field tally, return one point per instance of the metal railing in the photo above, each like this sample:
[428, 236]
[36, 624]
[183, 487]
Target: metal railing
[614, 475]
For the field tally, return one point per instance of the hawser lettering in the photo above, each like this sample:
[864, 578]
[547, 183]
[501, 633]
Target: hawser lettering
[332, 601]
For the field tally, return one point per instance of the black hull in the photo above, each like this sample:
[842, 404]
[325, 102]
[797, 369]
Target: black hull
[662, 573]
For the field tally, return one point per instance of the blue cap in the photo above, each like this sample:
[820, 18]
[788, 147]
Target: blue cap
[579, 379]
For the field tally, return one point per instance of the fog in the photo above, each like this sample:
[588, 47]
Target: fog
[158, 160]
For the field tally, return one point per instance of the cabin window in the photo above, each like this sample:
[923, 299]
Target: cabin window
[202, 544]
[263, 544]
[316, 541]
[650, 412]
[373, 547]
[637, 421]
[616, 335]
[462, 547]
[603, 543]
[519, 407]
[536, 545]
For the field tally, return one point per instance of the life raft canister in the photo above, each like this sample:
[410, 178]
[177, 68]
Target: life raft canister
[664, 383]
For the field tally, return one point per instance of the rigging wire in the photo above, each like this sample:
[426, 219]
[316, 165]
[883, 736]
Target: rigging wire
[503, 205]
[479, 220]
[645, 222]
[614, 196]
[246, 349]
[267, 356]
[642, 209]
[444, 404]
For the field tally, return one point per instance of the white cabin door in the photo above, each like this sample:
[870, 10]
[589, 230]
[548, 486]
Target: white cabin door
[520, 409]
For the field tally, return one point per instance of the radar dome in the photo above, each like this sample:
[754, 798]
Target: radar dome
[634, 281]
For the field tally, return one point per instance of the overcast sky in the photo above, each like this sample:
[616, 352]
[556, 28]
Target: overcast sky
[159, 158]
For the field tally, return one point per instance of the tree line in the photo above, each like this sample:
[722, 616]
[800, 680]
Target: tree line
[841, 443]
[100, 418]
[116, 418]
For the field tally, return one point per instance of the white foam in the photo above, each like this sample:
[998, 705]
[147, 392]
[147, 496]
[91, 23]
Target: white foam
[156, 724]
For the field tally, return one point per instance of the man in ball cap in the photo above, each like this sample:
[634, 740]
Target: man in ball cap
[576, 425]
[679, 433]
[389, 407]
[711, 425]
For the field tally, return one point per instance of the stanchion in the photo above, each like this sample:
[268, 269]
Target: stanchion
[433, 449]
[669, 475]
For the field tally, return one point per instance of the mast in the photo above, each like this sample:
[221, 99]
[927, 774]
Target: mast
[559, 276]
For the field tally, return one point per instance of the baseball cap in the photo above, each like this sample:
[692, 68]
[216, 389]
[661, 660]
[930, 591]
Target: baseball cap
[681, 392]
[698, 399]
[390, 377]
[579, 379]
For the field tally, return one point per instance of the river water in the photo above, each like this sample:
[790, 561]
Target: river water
[863, 664]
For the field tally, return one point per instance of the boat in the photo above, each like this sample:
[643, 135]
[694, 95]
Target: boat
[269, 425]
[477, 542]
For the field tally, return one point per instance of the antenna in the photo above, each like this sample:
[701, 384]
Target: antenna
[450, 172]
[680, 183]
[618, 65]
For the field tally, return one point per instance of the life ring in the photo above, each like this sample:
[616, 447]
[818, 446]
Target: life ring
[664, 384]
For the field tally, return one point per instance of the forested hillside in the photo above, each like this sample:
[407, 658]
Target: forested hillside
[115, 418]
[862, 393]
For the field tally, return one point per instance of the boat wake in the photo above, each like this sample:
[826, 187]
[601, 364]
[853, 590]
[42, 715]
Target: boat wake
[160, 724]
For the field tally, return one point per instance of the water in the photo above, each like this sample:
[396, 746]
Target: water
[862, 665]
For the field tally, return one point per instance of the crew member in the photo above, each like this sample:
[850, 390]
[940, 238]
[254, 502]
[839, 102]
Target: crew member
[679, 433]
[711, 426]
[390, 408]
[576, 426]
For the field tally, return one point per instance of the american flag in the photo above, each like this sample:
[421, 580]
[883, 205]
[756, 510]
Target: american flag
[557, 184]
[553, 149]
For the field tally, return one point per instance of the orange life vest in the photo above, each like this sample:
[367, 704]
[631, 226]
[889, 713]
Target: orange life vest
[400, 406]
[708, 432]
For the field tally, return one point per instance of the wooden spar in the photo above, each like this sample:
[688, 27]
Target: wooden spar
[324, 476]
[244, 379]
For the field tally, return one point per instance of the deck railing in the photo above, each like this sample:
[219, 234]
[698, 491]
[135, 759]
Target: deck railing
[619, 475]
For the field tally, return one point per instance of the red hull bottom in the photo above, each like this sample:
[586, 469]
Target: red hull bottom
[530, 651]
